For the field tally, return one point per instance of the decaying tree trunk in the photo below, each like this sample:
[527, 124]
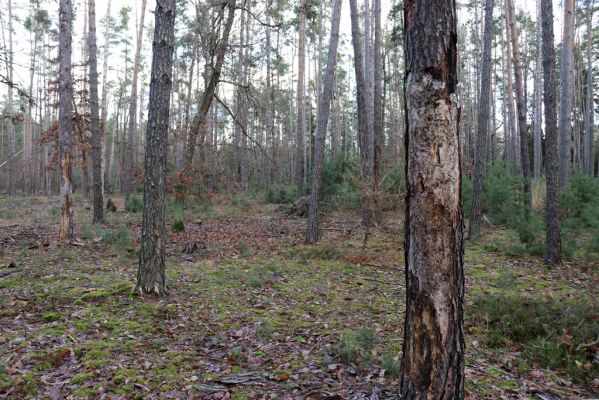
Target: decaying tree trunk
[324, 108]
[484, 106]
[150, 273]
[65, 130]
[553, 235]
[433, 348]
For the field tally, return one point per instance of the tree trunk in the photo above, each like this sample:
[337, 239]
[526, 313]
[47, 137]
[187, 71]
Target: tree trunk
[483, 125]
[199, 123]
[363, 120]
[300, 137]
[65, 130]
[378, 106]
[537, 113]
[553, 234]
[150, 274]
[130, 158]
[520, 101]
[565, 108]
[324, 108]
[11, 125]
[94, 116]
[589, 153]
[104, 118]
[433, 348]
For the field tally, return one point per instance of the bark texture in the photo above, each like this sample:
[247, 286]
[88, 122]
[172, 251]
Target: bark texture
[589, 150]
[94, 116]
[553, 238]
[565, 107]
[65, 129]
[313, 231]
[433, 349]
[364, 132]
[300, 136]
[484, 107]
[520, 99]
[130, 159]
[150, 274]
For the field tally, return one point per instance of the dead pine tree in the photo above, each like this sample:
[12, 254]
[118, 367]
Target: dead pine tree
[65, 130]
[433, 346]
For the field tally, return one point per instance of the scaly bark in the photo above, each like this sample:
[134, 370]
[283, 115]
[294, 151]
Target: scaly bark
[565, 108]
[483, 125]
[150, 273]
[94, 116]
[433, 347]
[553, 234]
[324, 108]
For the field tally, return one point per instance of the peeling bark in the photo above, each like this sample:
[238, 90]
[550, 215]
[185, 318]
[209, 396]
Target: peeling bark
[433, 349]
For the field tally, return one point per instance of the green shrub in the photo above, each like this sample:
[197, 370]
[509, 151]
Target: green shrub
[178, 215]
[283, 194]
[394, 181]
[340, 189]
[548, 331]
[467, 190]
[134, 204]
[7, 214]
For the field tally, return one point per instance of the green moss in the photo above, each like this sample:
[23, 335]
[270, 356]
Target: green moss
[50, 316]
[82, 377]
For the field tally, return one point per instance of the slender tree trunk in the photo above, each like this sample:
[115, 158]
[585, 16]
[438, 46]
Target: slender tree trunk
[378, 106]
[553, 235]
[520, 101]
[433, 348]
[363, 125]
[65, 131]
[300, 136]
[199, 123]
[11, 125]
[94, 117]
[104, 117]
[483, 125]
[537, 99]
[150, 274]
[130, 158]
[324, 107]
[240, 104]
[589, 153]
[565, 108]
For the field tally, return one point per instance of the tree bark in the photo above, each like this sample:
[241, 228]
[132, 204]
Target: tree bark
[537, 109]
[65, 130]
[553, 234]
[565, 108]
[94, 116]
[589, 153]
[130, 158]
[300, 136]
[520, 101]
[150, 274]
[484, 106]
[433, 348]
[378, 105]
[324, 108]
[11, 125]
[104, 118]
[199, 123]
[364, 133]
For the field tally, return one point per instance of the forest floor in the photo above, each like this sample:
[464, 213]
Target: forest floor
[252, 313]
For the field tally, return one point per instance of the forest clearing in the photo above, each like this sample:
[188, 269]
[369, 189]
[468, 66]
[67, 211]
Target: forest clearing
[254, 313]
